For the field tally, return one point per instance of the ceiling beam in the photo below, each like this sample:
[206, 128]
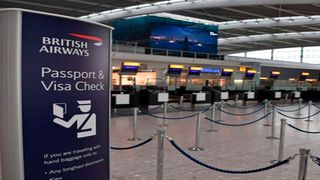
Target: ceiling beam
[270, 37]
[285, 10]
[312, 28]
[46, 6]
[245, 12]
[90, 3]
[211, 16]
[239, 45]
[299, 39]
[283, 22]
[167, 6]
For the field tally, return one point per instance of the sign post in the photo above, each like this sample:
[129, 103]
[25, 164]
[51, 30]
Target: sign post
[54, 119]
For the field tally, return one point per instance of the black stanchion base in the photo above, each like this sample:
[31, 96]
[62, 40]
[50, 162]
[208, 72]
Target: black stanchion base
[308, 120]
[299, 114]
[212, 130]
[267, 125]
[134, 139]
[272, 138]
[196, 149]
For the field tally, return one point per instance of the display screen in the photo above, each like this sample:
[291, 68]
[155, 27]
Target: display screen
[182, 38]
[250, 75]
[129, 69]
[174, 71]
[226, 74]
[211, 70]
[194, 72]
[274, 76]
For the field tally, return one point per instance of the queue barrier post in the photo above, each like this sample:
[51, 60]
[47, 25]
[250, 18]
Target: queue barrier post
[282, 139]
[160, 156]
[309, 111]
[299, 105]
[273, 125]
[135, 126]
[303, 164]
[213, 114]
[266, 111]
[197, 137]
[165, 113]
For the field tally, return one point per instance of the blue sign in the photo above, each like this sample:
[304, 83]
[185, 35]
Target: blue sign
[65, 98]
[211, 70]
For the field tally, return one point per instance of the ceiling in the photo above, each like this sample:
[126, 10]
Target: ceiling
[77, 8]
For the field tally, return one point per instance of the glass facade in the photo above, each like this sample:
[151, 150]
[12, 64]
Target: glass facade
[309, 55]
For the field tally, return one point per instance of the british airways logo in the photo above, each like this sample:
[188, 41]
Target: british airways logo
[52, 45]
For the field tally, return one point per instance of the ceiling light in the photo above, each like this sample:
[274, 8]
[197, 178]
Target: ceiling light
[176, 1]
[160, 3]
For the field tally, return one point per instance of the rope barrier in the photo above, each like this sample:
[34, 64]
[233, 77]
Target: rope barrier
[301, 130]
[278, 164]
[283, 105]
[316, 106]
[233, 114]
[315, 159]
[236, 125]
[246, 107]
[172, 118]
[135, 146]
[142, 112]
[284, 110]
[298, 117]
[130, 114]
[190, 110]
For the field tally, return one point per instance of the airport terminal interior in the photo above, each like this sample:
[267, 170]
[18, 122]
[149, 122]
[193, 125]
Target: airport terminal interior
[160, 90]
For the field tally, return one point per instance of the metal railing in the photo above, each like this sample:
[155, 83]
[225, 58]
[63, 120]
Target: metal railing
[142, 48]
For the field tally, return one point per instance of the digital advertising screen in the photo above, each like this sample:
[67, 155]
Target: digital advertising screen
[183, 38]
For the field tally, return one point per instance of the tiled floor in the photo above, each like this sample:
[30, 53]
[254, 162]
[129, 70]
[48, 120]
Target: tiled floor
[234, 148]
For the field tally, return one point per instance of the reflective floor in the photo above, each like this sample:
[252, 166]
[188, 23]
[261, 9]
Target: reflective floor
[232, 148]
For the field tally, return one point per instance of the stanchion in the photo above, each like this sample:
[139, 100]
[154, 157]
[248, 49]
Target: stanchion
[303, 163]
[266, 111]
[309, 111]
[221, 107]
[181, 100]
[299, 111]
[282, 137]
[135, 121]
[165, 112]
[236, 98]
[286, 98]
[197, 139]
[213, 113]
[160, 159]
[273, 125]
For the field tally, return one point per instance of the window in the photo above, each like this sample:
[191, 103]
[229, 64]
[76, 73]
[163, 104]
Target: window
[264, 54]
[238, 54]
[311, 55]
[287, 54]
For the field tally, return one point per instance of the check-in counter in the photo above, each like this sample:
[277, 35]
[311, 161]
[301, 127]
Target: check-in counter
[201, 98]
[268, 94]
[310, 95]
[149, 98]
[248, 96]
